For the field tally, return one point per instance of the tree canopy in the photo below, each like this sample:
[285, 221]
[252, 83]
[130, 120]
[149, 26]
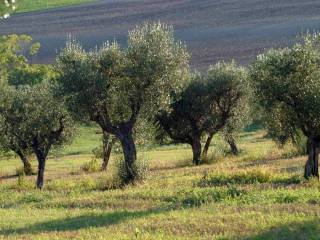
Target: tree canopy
[114, 86]
[207, 104]
[15, 71]
[287, 85]
[32, 119]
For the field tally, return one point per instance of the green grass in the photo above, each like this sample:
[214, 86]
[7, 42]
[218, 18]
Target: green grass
[34, 5]
[87, 138]
[259, 194]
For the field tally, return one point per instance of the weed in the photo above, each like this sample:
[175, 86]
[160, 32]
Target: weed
[91, 166]
[23, 183]
[140, 169]
[246, 177]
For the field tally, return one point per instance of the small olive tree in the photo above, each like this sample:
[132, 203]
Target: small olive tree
[9, 140]
[15, 70]
[114, 87]
[233, 91]
[36, 121]
[287, 85]
[205, 106]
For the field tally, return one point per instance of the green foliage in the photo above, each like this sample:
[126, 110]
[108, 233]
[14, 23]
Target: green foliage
[23, 183]
[141, 168]
[197, 197]
[30, 75]
[116, 87]
[208, 104]
[114, 78]
[33, 120]
[14, 50]
[286, 82]
[247, 177]
[87, 182]
[231, 80]
[16, 72]
[108, 183]
[92, 166]
[32, 112]
[250, 177]
[220, 151]
[7, 7]
[300, 142]
[97, 152]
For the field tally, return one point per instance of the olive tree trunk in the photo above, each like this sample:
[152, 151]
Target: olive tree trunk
[41, 167]
[125, 137]
[206, 146]
[312, 164]
[41, 154]
[107, 148]
[233, 146]
[27, 168]
[196, 150]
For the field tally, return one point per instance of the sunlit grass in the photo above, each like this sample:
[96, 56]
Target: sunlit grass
[34, 5]
[259, 194]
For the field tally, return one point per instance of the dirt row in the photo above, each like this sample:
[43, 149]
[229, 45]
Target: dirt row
[212, 29]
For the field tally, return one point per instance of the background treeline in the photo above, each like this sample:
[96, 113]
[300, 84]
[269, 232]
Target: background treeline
[147, 90]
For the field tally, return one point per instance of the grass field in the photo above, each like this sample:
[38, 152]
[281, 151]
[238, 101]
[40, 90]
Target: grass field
[257, 195]
[35, 5]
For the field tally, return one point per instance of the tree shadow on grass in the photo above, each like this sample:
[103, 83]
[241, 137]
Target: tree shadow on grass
[308, 230]
[6, 177]
[82, 221]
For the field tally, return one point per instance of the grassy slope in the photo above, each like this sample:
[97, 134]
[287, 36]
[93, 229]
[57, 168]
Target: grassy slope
[220, 200]
[34, 5]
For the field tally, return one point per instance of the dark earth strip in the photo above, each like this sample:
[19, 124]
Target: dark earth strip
[212, 29]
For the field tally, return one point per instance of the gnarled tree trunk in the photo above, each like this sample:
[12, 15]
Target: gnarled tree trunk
[129, 152]
[196, 150]
[27, 168]
[41, 167]
[312, 164]
[107, 148]
[206, 146]
[233, 146]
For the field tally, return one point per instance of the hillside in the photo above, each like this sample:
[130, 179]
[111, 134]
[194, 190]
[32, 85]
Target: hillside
[212, 29]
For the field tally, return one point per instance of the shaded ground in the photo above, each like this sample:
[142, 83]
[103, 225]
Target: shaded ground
[212, 29]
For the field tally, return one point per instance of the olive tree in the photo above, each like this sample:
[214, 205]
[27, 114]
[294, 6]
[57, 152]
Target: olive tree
[235, 125]
[143, 135]
[28, 75]
[205, 106]
[35, 120]
[287, 84]
[232, 89]
[15, 70]
[241, 118]
[114, 87]
[9, 140]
